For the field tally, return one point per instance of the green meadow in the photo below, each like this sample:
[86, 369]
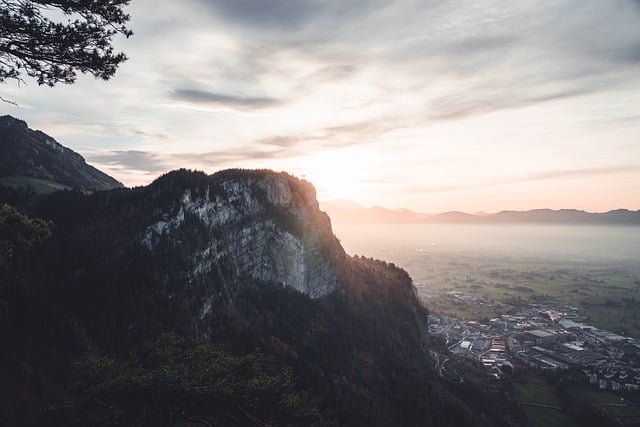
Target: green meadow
[609, 296]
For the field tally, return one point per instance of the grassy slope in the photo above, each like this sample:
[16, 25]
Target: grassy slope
[38, 185]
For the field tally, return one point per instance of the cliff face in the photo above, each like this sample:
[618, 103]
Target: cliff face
[262, 226]
[28, 153]
[189, 243]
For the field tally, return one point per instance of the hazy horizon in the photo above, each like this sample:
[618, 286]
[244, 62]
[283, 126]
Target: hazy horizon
[407, 244]
[472, 212]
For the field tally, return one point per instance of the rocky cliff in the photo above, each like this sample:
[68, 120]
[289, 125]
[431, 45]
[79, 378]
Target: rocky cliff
[30, 153]
[193, 241]
[260, 225]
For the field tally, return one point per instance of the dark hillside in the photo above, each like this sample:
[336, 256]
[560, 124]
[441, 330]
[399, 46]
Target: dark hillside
[224, 299]
[32, 158]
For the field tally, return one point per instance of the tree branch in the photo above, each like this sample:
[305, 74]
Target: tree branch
[8, 101]
[52, 51]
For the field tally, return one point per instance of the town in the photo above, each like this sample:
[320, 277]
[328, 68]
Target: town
[543, 337]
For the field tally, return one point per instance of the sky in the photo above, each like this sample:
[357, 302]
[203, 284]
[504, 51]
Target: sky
[428, 105]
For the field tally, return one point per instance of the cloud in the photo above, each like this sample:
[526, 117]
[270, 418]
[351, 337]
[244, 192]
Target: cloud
[540, 176]
[478, 45]
[280, 141]
[285, 16]
[152, 163]
[327, 74]
[627, 55]
[581, 173]
[156, 135]
[358, 133]
[267, 148]
[197, 96]
[494, 58]
[342, 135]
[469, 103]
[440, 188]
[261, 14]
[226, 158]
[146, 161]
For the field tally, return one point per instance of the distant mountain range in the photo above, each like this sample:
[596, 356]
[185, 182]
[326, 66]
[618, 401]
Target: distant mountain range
[32, 158]
[349, 211]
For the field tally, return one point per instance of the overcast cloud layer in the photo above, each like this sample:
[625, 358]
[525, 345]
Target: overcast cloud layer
[431, 105]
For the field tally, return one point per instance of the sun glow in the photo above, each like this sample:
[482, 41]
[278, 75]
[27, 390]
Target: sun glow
[339, 173]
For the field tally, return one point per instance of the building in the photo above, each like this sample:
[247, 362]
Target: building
[570, 325]
[540, 337]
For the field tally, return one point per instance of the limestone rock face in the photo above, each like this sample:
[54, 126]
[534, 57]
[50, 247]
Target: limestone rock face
[257, 225]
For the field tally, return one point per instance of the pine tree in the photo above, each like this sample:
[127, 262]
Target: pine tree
[54, 39]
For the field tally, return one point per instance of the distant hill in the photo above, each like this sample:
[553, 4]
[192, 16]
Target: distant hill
[345, 212]
[618, 216]
[32, 158]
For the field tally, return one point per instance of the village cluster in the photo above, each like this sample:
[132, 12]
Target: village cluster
[547, 338]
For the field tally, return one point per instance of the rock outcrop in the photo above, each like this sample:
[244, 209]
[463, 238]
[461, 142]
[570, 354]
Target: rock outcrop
[261, 225]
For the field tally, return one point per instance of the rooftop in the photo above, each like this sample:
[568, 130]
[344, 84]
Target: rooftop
[540, 333]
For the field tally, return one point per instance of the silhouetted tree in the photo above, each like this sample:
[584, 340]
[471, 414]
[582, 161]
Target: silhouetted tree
[50, 40]
[19, 232]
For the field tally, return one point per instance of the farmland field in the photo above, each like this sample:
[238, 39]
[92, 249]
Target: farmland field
[540, 403]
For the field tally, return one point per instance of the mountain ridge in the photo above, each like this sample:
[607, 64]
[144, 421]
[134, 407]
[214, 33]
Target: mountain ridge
[27, 153]
[378, 214]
